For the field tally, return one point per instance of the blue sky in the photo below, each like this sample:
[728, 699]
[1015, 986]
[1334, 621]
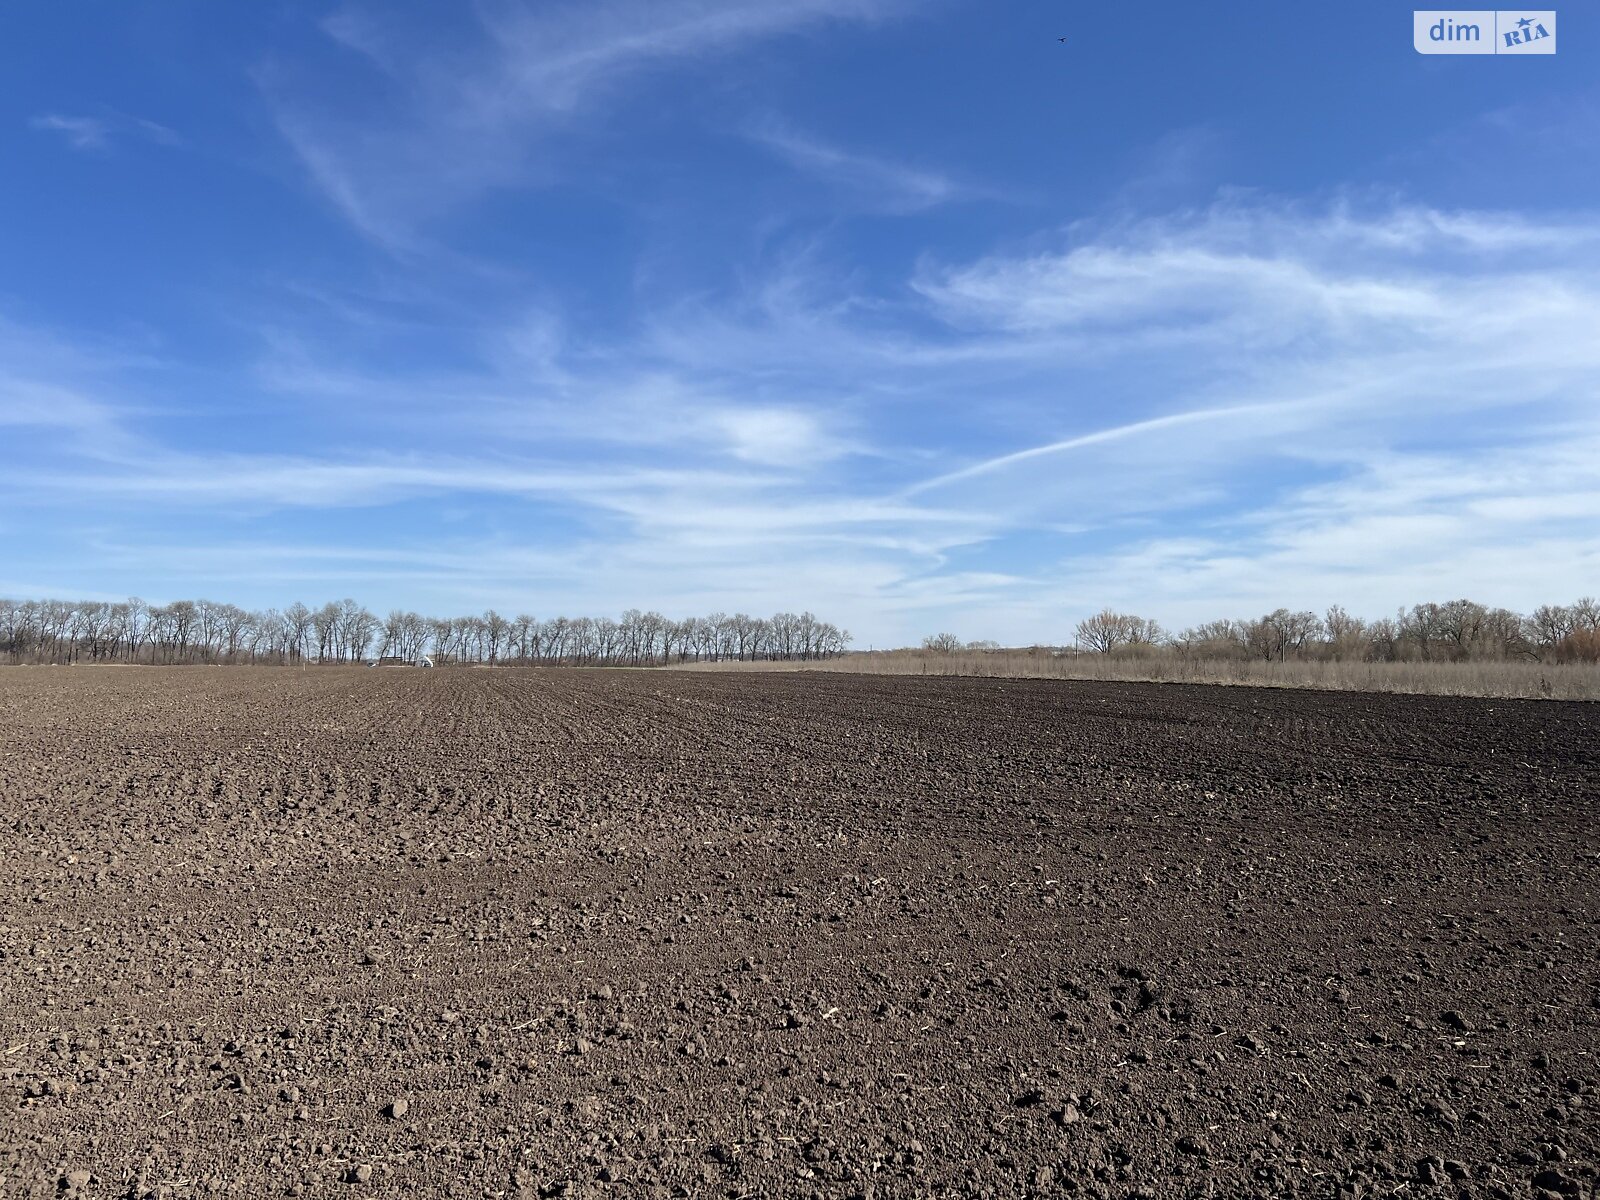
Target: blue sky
[907, 313]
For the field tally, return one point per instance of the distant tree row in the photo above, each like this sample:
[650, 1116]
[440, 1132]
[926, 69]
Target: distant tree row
[202, 631]
[1459, 630]
[949, 643]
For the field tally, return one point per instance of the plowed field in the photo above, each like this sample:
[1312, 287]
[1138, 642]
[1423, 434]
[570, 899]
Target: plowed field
[521, 933]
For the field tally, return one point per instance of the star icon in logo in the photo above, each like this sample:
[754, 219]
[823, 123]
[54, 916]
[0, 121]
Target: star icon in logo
[1525, 22]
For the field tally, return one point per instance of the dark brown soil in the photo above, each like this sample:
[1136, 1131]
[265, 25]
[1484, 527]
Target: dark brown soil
[520, 933]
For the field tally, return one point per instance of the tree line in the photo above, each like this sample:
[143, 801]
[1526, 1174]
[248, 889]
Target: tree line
[203, 631]
[1455, 631]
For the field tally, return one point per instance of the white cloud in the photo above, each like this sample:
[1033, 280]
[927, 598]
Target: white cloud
[1266, 276]
[96, 133]
[875, 182]
[774, 435]
[458, 120]
[559, 57]
[82, 133]
[1100, 437]
[291, 482]
[1512, 525]
[1316, 348]
[1189, 418]
[1179, 286]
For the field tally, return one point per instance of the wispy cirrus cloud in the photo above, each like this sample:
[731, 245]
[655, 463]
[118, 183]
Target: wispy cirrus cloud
[458, 120]
[872, 181]
[280, 481]
[1512, 523]
[1332, 405]
[1258, 275]
[1189, 416]
[1179, 421]
[98, 132]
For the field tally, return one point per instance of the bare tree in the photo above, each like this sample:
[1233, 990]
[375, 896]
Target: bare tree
[1108, 631]
[1347, 635]
[233, 624]
[1214, 639]
[522, 636]
[1102, 632]
[1281, 633]
[298, 618]
[496, 633]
